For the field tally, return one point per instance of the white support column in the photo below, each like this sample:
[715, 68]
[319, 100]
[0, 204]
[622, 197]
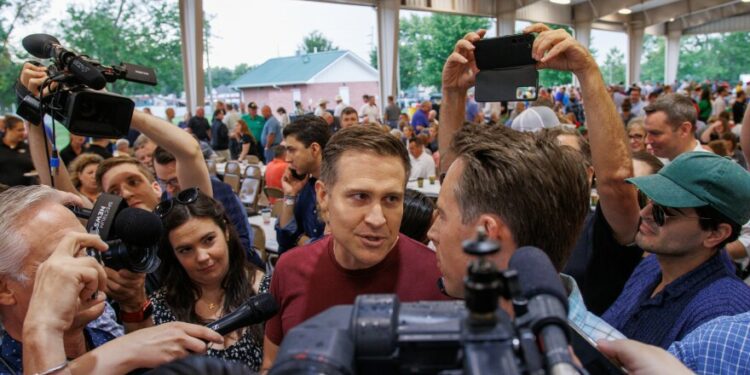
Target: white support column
[672, 58]
[191, 27]
[506, 23]
[583, 33]
[635, 50]
[582, 30]
[388, 26]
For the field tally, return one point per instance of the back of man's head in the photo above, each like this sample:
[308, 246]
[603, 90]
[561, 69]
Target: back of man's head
[279, 152]
[678, 109]
[539, 189]
[309, 129]
[361, 139]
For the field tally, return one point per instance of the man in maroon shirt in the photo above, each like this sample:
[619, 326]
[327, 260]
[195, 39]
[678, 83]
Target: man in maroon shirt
[361, 197]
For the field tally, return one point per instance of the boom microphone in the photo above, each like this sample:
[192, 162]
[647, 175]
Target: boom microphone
[547, 307]
[255, 310]
[46, 46]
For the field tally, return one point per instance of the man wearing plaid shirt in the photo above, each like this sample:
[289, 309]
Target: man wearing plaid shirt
[721, 346]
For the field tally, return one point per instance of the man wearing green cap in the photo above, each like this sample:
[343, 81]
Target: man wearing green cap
[697, 205]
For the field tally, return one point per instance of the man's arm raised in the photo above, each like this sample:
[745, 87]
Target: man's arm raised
[459, 74]
[191, 166]
[556, 49]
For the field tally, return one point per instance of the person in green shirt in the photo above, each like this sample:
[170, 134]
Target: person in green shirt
[253, 120]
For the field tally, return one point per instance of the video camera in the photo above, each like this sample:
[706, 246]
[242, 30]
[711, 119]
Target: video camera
[75, 101]
[379, 335]
[131, 233]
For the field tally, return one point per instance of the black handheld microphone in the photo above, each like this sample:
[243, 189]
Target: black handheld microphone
[46, 46]
[547, 307]
[255, 310]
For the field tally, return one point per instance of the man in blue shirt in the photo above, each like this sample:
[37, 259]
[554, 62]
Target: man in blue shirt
[697, 205]
[271, 135]
[299, 222]
[421, 116]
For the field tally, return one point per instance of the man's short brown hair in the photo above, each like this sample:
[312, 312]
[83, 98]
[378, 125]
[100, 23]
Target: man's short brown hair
[361, 139]
[678, 109]
[110, 163]
[539, 189]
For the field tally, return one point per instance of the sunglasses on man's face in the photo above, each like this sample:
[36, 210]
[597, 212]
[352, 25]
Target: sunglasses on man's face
[185, 197]
[660, 214]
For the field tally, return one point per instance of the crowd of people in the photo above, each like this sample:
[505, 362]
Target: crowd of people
[640, 197]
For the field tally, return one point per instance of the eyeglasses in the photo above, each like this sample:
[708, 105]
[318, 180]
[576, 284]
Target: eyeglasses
[660, 215]
[185, 197]
[637, 136]
[174, 183]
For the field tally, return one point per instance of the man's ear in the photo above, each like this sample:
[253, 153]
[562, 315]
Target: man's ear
[7, 297]
[315, 149]
[686, 128]
[497, 230]
[717, 236]
[322, 193]
[157, 189]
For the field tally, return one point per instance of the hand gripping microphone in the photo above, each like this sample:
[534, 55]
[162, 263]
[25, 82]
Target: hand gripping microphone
[255, 310]
[46, 46]
[547, 307]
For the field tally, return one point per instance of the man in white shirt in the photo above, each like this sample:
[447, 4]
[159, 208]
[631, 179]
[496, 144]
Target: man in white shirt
[370, 111]
[719, 105]
[422, 164]
[339, 106]
[230, 119]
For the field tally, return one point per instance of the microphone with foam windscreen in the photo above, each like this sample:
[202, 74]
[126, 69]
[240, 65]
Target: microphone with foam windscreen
[255, 310]
[138, 227]
[46, 46]
[547, 307]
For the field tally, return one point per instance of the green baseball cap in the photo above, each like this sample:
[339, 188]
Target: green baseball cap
[696, 179]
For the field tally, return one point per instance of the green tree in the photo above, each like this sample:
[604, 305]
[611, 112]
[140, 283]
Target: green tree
[225, 76]
[137, 31]
[652, 62]
[315, 42]
[613, 69]
[13, 13]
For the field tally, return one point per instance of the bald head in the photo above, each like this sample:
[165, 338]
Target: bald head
[266, 111]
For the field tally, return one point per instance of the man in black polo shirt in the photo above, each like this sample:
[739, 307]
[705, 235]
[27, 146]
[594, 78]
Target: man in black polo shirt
[15, 159]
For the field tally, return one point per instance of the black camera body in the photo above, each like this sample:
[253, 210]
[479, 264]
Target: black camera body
[75, 102]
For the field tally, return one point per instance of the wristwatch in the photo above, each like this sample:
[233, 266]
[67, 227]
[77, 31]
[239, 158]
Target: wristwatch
[290, 200]
[138, 316]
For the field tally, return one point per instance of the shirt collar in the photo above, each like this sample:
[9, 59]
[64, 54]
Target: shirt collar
[689, 281]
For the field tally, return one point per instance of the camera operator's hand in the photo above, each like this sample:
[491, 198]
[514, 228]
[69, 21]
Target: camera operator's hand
[65, 297]
[66, 283]
[147, 348]
[642, 359]
[460, 69]
[556, 49]
[127, 288]
[33, 77]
